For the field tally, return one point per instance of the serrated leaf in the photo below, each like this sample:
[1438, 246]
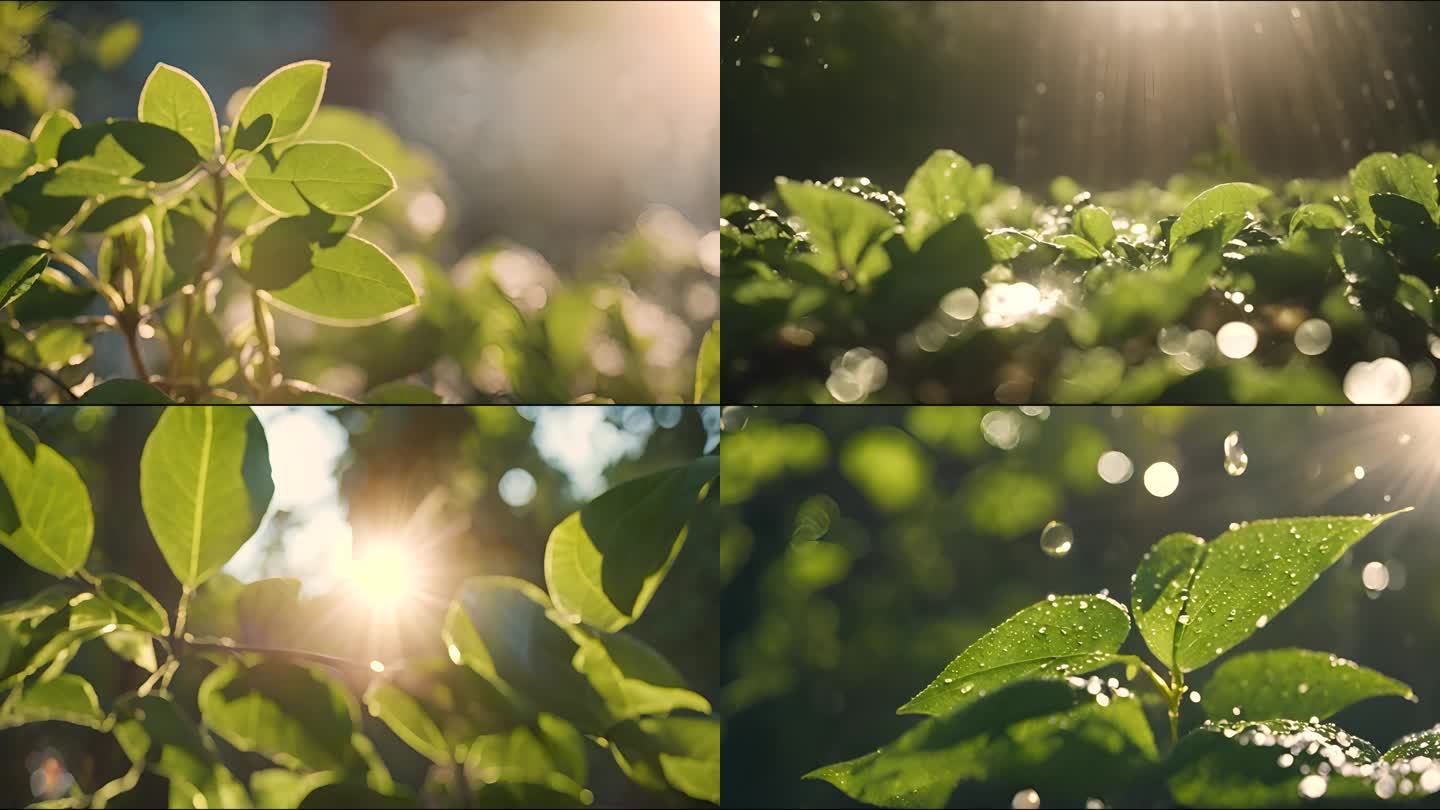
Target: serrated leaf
[1262, 764]
[48, 131]
[204, 485]
[280, 106]
[296, 715]
[1052, 639]
[409, 720]
[173, 99]
[632, 677]
[67, 698]
[1230, 201]
[1047, 735]
[1251, 573]
[1094, 224]
[45, 513]
[17, 155]
[1408, 175]
[707, 367]
[684, 751]
[1159, 591]
[1292, 683]
[133, 605]
[604, 563]
[846, 232]
[334, 177]
[20, 267]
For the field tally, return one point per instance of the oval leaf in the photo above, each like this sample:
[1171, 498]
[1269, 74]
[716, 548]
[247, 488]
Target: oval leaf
[1094, 224]
[297, 716]
[17, 155]
[1230, 200]
[1317, 217]
[1052, 639]
[1292, 683]
[119, 156]
[48, 131]
[632, 677]
[349, 282]
[944, 187]
[125, 392]
[45, 514]
[845, 231]
[604, 563]
[66, 698]
[205, 485]
[1420, 744]
[1159, 591]
[409, 720]
[280, 106]
[133, 605]
[20, 266]
[173, 99]
[1409, 176]
[334, 177]
[1253, 572]
[683, 751]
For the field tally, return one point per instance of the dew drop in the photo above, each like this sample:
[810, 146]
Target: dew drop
[1313, 786]
[1235, 459]
[1359, 472]
[1303, 688]
[1262, 621]
[1057, 539]
[1026, 799]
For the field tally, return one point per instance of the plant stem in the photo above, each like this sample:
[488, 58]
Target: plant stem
[182, 612]
[132, 342]
[46, 373]
[1177, 692]
[111, 295]
[265, 340]
[281, 652]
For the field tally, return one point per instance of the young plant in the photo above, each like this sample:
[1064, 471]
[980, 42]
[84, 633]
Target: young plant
[1116, 296]
[531, 673]
[1023, 707]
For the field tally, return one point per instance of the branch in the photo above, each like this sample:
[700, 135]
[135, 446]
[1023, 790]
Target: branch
[51, 376]
[335, 662]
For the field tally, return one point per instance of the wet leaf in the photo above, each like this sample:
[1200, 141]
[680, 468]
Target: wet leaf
[1292, 683]
[1052, 639]
[940, 190]
[1409, 176]
[845, 231]
[1230, 201]
[1160, 590]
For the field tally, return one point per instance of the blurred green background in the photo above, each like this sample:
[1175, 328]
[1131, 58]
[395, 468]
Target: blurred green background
[931, 536]
[484, 487]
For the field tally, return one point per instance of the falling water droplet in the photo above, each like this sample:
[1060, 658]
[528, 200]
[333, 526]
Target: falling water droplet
[1057, 539]
[1359, 472]
[1375, 576]
[1025, 800]
[1235, 459]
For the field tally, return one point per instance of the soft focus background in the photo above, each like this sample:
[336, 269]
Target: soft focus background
[465, 491]
[932, 537]
[1106, 92]
[557, 168]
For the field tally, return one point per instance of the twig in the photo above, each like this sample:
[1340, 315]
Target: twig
[59, 383]
[332, 661]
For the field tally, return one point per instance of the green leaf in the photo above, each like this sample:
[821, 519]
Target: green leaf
[133, 605]
[125, 392]
[684, 751]
[1094, 225]
[1261, 764]
[1077, 247]
[17, 155]
[530, 754]
[45, 514]
[632, 677]
[1160, 588]
[173, 99]
[1231, 201]
[1053, 639]
[846, 232]
[604, 563]
[296, 715]
[204, 485]
[1051, 736]
[1409, 176]
[66, 698]
[53, 640]
[1251, 573]
[155, 733]
[280, 106]
[504, 629]
[707, 367]
[277, 787]
[119, 156]
[1318, 217]
[266, 611]
[137, 648]
[116, 43]
[402, 393]
[328, 277]
[1420, 744]
[334, 177]
[1292, 683]
[944, 187]
[48, 131]
[353, 796]
[20, 266]
[409, 720]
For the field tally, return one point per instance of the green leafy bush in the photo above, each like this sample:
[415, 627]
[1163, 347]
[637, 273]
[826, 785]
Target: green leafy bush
[201, 233]
[531, 674]
[1024, 704]
[961, 288]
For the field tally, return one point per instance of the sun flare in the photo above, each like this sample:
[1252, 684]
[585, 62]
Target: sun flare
[385, 575]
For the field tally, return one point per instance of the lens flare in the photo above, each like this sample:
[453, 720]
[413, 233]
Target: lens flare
[384, 575]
